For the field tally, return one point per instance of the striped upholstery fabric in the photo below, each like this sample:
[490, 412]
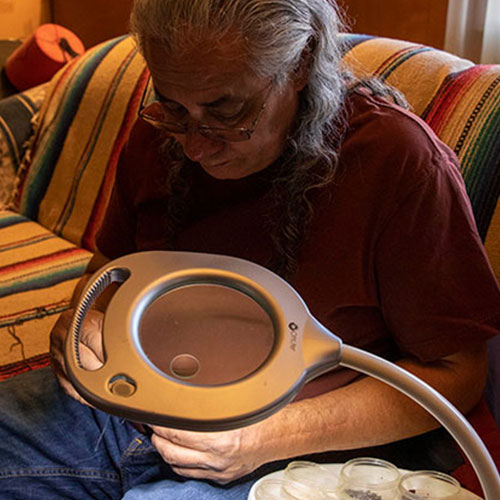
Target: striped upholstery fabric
[46, 244]
[86, 118]
[38, 272]
[90, 107]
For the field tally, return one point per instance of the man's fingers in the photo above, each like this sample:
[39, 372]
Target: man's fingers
[91, 333]
[178, 455]
[203, 474]
[59, 370]
[89, 359]
[70, 391]
[57, 339]
[90, 348]
[187, 439]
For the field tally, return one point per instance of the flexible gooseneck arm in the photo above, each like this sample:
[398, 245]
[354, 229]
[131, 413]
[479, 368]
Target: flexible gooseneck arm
[440, 408]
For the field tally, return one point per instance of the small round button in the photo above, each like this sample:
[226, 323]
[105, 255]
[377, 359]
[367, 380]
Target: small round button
[123, 386]
[185, 366]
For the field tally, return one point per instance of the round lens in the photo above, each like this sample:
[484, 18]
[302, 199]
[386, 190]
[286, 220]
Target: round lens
[206, 334]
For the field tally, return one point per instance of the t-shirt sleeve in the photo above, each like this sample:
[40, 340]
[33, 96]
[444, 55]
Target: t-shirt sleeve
[134, 220]
[117, 234]
[437, 290]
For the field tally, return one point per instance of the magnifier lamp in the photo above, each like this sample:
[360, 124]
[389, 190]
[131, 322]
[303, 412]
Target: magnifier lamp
[209, 342]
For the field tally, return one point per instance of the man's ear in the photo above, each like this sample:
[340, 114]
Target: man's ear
[303, 70]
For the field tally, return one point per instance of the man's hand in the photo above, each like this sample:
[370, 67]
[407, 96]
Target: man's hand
[218, 456]
[91, 354]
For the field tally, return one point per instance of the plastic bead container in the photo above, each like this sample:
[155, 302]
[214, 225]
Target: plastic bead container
[315, 476]
[369, 479]
[428, 485]
[284, 489]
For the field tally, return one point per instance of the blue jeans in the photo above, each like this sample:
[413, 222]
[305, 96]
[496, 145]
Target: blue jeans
[52, 447]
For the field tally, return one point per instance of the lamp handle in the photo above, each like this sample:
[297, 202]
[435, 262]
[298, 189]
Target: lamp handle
[94, 288]
[438, 406]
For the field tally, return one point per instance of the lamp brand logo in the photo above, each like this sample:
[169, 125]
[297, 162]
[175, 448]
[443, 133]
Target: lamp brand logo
[293, 335]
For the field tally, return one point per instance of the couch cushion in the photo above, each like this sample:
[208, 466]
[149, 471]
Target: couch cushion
[38, 272]
[90, 107]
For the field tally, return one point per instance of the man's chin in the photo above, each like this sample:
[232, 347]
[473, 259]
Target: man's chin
[224, 170]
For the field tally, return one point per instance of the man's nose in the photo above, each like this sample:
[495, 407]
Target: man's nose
[198, 147]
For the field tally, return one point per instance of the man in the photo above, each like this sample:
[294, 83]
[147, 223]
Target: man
[258, 144]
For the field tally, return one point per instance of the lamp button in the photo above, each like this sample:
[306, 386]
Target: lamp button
[121, 385]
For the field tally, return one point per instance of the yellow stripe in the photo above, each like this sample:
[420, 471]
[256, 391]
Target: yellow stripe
[81, 132]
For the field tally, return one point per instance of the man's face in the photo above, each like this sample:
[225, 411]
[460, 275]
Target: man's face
[214, 87]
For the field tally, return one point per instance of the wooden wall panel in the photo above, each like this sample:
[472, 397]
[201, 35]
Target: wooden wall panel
[422, 21]
[20, 18]
[93, 21]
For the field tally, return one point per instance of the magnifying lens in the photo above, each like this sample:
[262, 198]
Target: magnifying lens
[209, 342]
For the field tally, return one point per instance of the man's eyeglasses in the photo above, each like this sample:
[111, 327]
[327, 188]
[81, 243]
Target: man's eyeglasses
[153, 111]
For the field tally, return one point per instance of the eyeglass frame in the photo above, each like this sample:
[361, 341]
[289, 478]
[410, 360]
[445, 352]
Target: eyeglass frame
[204, 130]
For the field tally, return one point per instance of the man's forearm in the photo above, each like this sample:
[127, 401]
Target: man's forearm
[370, 413]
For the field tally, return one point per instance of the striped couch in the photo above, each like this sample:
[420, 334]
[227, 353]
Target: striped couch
[64, 180]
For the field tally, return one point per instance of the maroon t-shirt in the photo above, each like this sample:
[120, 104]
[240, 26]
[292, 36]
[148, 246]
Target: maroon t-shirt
[392, 262]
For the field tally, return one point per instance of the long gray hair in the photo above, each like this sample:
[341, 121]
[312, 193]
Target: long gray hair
[280, 36]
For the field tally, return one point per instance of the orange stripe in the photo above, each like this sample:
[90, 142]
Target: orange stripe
[40, 261]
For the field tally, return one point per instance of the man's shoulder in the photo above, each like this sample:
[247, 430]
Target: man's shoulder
[390, 144]
[374, 117]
